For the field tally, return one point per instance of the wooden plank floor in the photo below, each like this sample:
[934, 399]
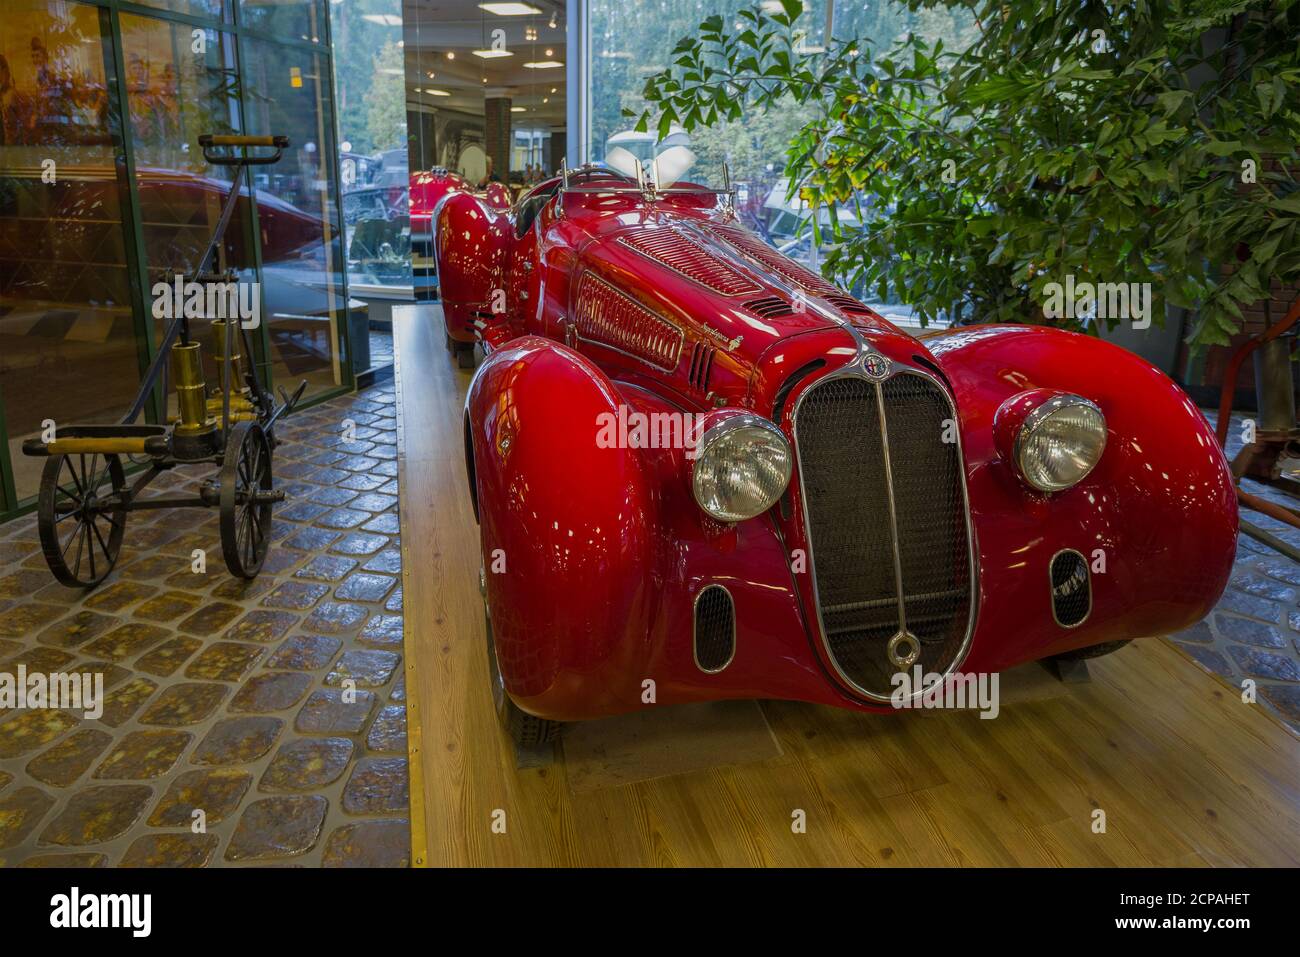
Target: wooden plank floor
[1185, 773]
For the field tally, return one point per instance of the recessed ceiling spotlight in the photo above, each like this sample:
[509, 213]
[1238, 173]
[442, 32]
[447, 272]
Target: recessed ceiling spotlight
[451, 54]
[553, 20]
[510, 9]
[550, 52]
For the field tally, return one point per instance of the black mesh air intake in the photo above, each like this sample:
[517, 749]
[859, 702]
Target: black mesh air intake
[715, 628]
[1071, 589]
[874, 457]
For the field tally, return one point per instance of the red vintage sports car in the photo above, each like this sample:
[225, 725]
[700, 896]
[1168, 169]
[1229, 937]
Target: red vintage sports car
[702, 471]
[427, 189]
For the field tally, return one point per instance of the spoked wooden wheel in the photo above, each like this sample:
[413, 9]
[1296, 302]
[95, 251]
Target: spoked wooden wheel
[81, 515]
[245, 500]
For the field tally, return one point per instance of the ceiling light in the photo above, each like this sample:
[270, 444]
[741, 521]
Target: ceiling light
[383, 19]
[432, 92]
[451, 54]
[553, 21]
[517, 109]
[543, 65]
[492, 54]
[510, 9]
[550, 52]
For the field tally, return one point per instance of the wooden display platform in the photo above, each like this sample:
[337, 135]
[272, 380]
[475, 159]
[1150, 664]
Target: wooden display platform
[1185, 772]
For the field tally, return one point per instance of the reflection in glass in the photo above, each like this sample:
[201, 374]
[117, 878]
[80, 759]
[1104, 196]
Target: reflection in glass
[631, 41]
[302, 284]
[67, 344]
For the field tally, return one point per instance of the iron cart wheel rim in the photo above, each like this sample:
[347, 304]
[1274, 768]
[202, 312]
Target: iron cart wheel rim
[80, 528]
[245, 520]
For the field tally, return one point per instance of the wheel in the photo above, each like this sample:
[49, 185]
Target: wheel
[465, 355]
[1092, 651]
[245, 514]
[81, 515]
[525, 730]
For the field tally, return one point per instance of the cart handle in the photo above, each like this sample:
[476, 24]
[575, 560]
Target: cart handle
[216, 145]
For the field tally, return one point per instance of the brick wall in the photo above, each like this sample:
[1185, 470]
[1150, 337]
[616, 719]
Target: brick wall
[497, 135]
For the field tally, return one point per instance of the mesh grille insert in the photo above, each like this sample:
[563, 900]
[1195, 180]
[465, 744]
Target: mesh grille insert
[715, 628]
[1071, 589]
[847, 494]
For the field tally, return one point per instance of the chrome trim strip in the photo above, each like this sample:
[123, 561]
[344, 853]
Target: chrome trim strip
[1051, 592]
[852, 370]
[695, 621]
[893, 515]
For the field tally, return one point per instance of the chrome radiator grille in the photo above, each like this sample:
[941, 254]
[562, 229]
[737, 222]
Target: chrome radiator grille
[885, 510]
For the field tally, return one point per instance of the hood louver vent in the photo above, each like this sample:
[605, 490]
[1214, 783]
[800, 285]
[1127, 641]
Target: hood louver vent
[849, 304]
[769, 307]
[754, 248]
[670, 248]
[701, 365]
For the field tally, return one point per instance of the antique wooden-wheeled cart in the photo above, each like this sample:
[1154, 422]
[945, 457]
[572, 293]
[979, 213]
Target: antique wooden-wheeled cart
[85, 495]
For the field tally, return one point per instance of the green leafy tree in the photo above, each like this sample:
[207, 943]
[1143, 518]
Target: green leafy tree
[386, 99]
[1152, 141]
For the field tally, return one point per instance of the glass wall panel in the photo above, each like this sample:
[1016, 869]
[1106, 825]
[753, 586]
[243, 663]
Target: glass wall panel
[630, 41]
[291, 19]
[180, 86]
[287, 93]
[215, 9]
[485, 99]
[68, 351]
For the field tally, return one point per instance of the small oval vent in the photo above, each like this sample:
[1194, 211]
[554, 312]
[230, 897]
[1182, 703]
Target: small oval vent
[715, 629]
[1071, 588]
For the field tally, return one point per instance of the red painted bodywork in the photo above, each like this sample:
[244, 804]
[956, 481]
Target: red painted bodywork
[605, 549]
[430, 186]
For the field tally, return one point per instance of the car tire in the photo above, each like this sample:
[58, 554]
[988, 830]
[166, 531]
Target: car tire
[525, 730]
[1092, 651]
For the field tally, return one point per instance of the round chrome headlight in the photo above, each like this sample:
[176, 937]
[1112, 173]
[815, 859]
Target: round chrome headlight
[741, 467]
[1059, 442]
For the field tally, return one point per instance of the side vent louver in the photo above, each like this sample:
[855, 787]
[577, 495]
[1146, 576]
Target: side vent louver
[1071, 588]
[769, 307]
[715, 629]
[701, 365]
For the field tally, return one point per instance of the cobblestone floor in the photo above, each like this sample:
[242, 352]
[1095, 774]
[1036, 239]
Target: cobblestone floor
[1254, 631]
[227, 697]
